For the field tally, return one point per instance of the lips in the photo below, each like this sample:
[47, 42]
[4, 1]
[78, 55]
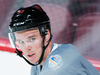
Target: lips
[31, 55]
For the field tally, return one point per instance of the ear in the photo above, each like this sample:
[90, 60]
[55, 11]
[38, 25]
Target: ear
[47, 37]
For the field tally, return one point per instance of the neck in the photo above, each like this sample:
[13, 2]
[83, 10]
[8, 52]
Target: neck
[47, 52]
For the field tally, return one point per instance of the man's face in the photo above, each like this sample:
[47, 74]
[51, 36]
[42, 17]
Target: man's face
[30, 42]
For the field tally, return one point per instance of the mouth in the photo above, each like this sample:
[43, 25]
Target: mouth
[31, 55]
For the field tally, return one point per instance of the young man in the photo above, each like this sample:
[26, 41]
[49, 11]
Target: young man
[31, 33]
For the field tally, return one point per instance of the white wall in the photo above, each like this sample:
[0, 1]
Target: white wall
[11, 64]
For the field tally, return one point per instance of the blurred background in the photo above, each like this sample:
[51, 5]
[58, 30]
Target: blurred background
[72, 21]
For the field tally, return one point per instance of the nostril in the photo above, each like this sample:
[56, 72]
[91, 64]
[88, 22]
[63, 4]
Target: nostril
[28, 47]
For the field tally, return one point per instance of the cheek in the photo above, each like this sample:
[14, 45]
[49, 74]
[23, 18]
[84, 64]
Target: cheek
[38, 47]
[37, 44]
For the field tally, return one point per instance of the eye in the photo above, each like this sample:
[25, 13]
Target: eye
[20, 42]
[32, 39]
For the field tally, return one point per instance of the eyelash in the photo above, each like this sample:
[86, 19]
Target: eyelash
[32, 39]
[20, 42]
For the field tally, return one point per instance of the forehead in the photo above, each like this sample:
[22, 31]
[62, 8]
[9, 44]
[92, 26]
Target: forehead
[27, 33]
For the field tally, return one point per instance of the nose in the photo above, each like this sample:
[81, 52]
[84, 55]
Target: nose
[28, 46]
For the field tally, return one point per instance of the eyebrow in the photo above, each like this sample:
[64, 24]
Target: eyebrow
[31, 36]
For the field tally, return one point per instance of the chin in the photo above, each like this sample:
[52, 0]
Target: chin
[34, 62]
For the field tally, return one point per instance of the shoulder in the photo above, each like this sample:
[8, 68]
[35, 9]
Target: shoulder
[65, 48]
[68, 46]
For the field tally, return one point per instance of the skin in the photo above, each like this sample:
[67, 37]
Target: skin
[30, 42]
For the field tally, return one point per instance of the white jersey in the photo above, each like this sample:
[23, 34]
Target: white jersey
[65, 60]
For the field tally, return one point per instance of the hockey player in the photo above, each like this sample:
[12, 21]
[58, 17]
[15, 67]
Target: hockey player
[31, 33]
